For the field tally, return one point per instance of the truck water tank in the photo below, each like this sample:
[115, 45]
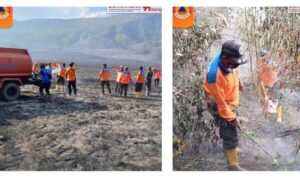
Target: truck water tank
[15, 63]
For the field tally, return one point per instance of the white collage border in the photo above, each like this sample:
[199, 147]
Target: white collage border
[167, 113]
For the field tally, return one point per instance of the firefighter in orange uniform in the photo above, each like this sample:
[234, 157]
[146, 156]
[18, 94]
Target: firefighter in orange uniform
[124, 81]
[268, 72]
[157, 76]
[118, 85]
[140, 78]
[60, 85]
[221, 88]
[35, 68]
[71, 78]
[104, 77]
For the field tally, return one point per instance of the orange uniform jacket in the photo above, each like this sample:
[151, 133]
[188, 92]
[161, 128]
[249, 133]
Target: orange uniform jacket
[35, 69]
[70, 74]
[62, 72]
[222, 86]
[104, 74]
[125, 77]
[140, 78]
[157, 75]
[269, 75]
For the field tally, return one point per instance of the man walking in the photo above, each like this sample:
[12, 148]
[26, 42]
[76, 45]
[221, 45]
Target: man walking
[71, 78]
[124, 81]
[60, 84]
[118, 85]
[149, 81]
[157, 76]
[104, 78]
[46, 76]
[140, 79]
[222, 87]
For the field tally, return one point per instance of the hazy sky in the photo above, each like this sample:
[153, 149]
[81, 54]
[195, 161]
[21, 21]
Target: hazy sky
[26, 13]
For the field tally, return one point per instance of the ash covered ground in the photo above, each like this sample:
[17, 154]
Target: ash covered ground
[85, 133]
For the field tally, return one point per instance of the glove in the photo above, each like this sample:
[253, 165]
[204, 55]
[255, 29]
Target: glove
[241, 85]
[235, 123]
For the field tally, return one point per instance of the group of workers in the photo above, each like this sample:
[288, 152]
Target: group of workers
[123, 78]
[44, 73]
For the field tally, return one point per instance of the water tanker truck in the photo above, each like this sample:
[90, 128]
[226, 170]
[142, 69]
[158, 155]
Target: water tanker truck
[15, 71]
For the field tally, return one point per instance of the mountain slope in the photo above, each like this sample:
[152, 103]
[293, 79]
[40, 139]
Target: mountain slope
[130, 36]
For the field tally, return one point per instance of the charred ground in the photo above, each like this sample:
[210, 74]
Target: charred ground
[88, 132]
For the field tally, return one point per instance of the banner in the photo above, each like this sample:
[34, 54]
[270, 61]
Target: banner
[133, 9]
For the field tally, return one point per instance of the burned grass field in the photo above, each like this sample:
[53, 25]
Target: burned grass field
[89, 132]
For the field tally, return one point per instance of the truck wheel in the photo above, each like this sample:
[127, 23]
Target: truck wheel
[10, 91]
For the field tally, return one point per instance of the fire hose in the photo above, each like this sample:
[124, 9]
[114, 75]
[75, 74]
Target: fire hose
[255, 142]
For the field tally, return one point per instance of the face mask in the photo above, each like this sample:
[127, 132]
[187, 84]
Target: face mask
[233, 66]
